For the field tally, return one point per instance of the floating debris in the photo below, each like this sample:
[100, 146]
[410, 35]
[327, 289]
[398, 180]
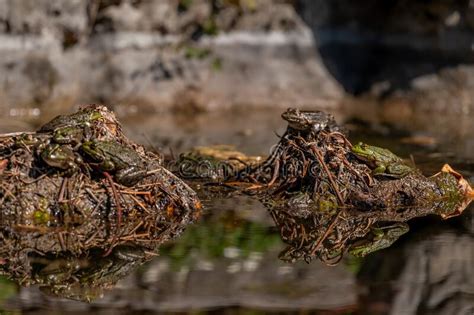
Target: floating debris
[212, 163]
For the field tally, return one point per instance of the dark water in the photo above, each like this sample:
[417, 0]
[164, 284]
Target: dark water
[227, 262]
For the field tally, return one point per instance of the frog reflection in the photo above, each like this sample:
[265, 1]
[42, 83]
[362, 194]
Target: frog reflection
[378, 238]
[382, 160]
[110, 156]
[85, 278]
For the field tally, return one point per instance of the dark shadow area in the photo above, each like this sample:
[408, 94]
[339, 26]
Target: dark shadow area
[359, 66]
[427, 272]
[389, 42]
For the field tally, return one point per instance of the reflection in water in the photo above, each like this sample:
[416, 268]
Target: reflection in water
[226, 235]
[227, 260]
[67, 229]
[241, 274]
[224, 261]
[328, 196]
[431, 274]
[84, 278]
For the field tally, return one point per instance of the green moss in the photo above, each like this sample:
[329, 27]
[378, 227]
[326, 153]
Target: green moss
[196, 52]
[216, 64]
[328, 206]
[209, 27]
[450, 194]
[184, 5]
[41, 215]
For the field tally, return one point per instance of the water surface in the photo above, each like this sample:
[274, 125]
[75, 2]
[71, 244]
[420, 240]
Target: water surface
[227, 262]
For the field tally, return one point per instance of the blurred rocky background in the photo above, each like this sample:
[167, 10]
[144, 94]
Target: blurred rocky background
[171, 54]
[198, 55]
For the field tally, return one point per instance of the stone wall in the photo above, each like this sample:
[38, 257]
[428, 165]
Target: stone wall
[187, 55]
[195, 55]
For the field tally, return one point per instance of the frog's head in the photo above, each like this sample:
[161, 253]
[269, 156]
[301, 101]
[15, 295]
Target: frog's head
[361, 149]
[94, 112]
[92, 150]
[87, 116]
[104, 117]
[307, 120]
[291, 115]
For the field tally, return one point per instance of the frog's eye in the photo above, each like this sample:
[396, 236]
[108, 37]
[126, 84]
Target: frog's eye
[108, 165]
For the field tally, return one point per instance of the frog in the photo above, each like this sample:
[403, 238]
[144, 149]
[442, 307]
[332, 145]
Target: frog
[61, 156]
[300, 123]
[110, 156]
[383, 161]
[309, 121]
[26, 140]
[55, 271]
[71, 134]
[380, 237]
[73, 128]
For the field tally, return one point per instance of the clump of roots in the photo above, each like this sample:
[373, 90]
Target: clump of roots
[45, 211]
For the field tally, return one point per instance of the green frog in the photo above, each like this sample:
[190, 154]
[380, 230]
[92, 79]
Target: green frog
[62, 157]
[306, 121]
[382, 161]
[110, 156]
[27, 140]
[55, 271]
[379, 238]
[72, 129]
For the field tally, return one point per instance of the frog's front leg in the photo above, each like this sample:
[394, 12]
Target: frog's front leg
[379, 170]
[130, 176]
[379, 238]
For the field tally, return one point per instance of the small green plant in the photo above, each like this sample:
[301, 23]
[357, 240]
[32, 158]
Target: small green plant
[196, 52]
[209, 27]
[184, 5]
[216, 64]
